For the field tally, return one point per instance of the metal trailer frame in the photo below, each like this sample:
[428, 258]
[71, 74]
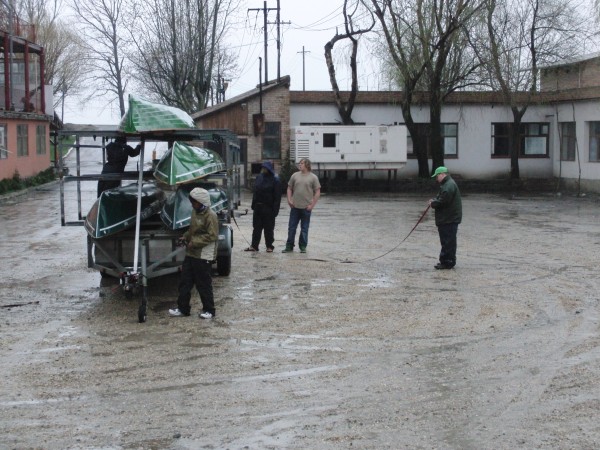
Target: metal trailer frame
[155, 248]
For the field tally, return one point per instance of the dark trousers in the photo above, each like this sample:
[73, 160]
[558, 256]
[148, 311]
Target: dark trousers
[447, 232]
[104, 185]
[196, 272]
[302, 216]
[263, 220]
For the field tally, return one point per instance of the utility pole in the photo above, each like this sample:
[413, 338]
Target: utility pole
[303, 67]
[278, 42]
[265, 11]
[277, 22]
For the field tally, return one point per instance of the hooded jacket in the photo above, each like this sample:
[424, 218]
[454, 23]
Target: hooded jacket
[203, 235]
[267, 189]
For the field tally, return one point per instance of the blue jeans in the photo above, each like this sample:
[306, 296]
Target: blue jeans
[302, 216]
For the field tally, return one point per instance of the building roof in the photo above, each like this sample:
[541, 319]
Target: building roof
[283, 82]
[457, 98]
[572, 61]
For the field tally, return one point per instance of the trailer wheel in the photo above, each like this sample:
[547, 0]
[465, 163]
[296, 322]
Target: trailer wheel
[224, 265]
[142, 314]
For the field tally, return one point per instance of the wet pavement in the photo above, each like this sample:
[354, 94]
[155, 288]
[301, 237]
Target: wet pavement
[358, 343]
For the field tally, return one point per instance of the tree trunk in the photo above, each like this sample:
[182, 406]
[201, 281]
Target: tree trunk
[435, 132]
[515, 142]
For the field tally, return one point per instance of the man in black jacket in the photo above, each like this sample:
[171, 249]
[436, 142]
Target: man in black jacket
[117, 154]
[448, 214]
[265, 204]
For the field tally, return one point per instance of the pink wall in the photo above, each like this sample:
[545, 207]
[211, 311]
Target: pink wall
[32, 164]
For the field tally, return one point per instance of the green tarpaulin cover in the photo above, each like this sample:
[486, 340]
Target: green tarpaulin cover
[183, 163]
[143, 115]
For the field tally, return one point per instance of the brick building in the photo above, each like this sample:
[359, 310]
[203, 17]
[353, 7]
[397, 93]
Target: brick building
[261, 120]
[573, 74]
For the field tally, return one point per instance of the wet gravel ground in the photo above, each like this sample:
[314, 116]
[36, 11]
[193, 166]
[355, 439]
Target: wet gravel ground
[357, 344]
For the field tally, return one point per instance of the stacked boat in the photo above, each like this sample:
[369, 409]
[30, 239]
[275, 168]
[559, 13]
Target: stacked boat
[182, 168]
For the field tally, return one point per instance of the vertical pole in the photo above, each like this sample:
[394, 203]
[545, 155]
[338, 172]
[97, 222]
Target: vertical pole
[304, 52]
[303, 71]
[278, 43]
[266, 63]
[260, 84]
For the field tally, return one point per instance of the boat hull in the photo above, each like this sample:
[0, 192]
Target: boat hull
[176, 212]
[184, 163]
[116, 209]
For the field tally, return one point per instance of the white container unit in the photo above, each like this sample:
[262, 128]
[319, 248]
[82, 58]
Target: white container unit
[350, 147]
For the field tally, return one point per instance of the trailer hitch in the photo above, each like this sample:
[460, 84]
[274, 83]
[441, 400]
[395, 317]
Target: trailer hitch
[130, 282]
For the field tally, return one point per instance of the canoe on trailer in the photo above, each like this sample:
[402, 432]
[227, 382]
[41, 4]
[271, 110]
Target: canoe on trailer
[177, 210]
[116, 209]
[183, 163]
[144, 116]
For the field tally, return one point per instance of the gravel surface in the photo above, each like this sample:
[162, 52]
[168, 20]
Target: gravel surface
[357, 344]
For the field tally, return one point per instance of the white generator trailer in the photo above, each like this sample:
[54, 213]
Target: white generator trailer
[350, 147]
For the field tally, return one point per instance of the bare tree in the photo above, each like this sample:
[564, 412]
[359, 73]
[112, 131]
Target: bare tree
[105, 36]
[67, 74]
[522, 35]
[62, 47]
[175, 56]
[427, 45]
[345, 108]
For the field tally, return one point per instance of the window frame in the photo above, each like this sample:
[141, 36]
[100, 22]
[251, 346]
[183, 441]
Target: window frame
[271, 138]
[594, 141]
[568, 141]
[424, 129]
[528, 132]
[4, 141]
[22, 140]
[40, 139]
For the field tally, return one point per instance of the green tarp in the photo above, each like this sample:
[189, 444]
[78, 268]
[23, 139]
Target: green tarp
[177, 210]
[143, 116]
[183, 163]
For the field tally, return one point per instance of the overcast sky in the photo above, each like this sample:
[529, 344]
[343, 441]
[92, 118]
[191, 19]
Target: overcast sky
[304, 23]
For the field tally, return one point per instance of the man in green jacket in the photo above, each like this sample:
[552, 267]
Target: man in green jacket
[448, 214]
[200, 240]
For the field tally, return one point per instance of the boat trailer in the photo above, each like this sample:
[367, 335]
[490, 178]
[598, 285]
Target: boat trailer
[150, 250]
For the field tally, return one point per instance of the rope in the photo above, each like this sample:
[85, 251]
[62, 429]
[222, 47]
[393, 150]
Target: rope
[238, 227]
[399, 244]
[366, 260]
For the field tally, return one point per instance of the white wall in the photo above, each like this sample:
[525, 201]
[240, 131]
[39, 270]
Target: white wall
[474, 135]
[582, 112]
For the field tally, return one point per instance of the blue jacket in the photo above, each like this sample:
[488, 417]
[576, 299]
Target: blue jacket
[267, 189]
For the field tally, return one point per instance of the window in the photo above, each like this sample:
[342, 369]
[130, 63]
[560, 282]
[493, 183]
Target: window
[40, 139]
[534, 139]
[567, 141]
[594, 141]
[449, 139]
[3, 149]
[501, 139]
[328, 140]
[22, 138]
[272, 140]
[532, 136]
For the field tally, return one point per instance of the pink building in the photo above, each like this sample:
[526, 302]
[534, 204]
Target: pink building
[24, 121]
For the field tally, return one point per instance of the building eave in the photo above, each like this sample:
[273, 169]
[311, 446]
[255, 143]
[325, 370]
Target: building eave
[243, 98]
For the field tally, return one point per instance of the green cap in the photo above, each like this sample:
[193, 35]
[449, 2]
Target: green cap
[439, 170]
